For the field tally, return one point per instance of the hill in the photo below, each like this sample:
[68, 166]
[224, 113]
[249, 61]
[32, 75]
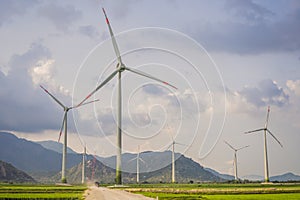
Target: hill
[186, 170]
[285, 177]
[55, 146]
[10, 174]
[223, 176]
[32, 157]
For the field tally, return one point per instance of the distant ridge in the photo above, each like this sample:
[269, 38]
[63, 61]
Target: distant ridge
[186, 171]
[55, 146]
[10, 174]
[285, 177]
[31, 157]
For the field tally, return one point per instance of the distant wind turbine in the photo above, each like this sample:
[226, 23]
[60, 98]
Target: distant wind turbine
[265, 129]
[173, 155]
[64, 126]
[119, 69]
[235, 159]
[138, 159]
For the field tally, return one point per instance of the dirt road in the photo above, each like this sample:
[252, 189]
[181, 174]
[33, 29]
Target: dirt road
[101, 193]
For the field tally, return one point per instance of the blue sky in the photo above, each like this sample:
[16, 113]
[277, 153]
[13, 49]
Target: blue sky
[245, 51]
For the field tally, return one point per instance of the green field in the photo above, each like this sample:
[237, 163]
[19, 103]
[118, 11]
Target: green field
[41, 192]
[218, 191]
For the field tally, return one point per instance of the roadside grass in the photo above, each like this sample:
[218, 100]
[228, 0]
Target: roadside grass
[41, 192]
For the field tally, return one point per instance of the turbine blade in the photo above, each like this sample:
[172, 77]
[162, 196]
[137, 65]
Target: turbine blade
[131, 160]
[169, 145]
[261, 129]
[230, 146]
[142, 160]
[181, 144]
[113, 38]
[275, 138]
[149, 76]
[62, 126]
[243, 147]
[55, 99]
[100, 86]
[84, 104]
[267, 120]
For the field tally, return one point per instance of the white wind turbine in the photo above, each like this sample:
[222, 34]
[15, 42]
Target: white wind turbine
[265, 129]
[138, 159]
[173, 154]
[235, 158]
[119, 69]
[83, 166]
[64, 126]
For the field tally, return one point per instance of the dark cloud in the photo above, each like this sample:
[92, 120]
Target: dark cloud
[25, 107]
[12, 8]
[250, 29]
[61, 16]
[266, 93]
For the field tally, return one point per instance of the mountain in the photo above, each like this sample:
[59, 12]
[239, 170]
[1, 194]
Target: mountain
[9, 173]
[55, 146]
[32, 157]
[186, 170]
[285, 177]
[223, 176]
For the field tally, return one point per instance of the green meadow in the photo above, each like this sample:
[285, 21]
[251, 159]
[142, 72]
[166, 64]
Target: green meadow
[41, 192]
[218, 191]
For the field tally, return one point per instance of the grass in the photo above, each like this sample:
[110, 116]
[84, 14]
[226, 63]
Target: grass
[217, 191]
[41, 192]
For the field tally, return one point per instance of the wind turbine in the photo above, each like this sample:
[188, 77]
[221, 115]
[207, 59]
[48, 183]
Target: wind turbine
[64, 126]
[235, 158]
[173, 155]
[265, 129]
[138, 159]
[119, 69]
[83, 166]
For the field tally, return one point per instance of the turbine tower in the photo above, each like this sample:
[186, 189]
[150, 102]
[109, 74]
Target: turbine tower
[266, 130]
[83, 166]
[138, 159]
[64, 126]
[235, 159]
[173, 155]
[119, 69]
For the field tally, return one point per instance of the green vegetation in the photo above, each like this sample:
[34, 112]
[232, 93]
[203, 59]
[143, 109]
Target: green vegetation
[218, 191]
[41, 192]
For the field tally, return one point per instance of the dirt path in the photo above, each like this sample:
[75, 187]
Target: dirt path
[101, 193]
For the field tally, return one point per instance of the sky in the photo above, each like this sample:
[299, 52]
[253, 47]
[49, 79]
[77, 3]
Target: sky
[229, 59]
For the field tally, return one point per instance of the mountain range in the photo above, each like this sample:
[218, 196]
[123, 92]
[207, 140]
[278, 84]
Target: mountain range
[42, 161]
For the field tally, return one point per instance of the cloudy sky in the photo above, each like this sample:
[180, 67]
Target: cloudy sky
[229, 59]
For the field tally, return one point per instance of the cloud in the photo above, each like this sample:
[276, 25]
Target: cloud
[89, 31]
[62, 17]
[266, 93]
[294, 86]
[250, 28]
[24, 107]
[9, 9]
[247, 11]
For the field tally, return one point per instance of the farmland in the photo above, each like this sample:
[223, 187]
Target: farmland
[219, 191]
[162, 191]
[41, 192]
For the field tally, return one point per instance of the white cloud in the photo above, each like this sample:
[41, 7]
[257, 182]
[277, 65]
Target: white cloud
[294, 86]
